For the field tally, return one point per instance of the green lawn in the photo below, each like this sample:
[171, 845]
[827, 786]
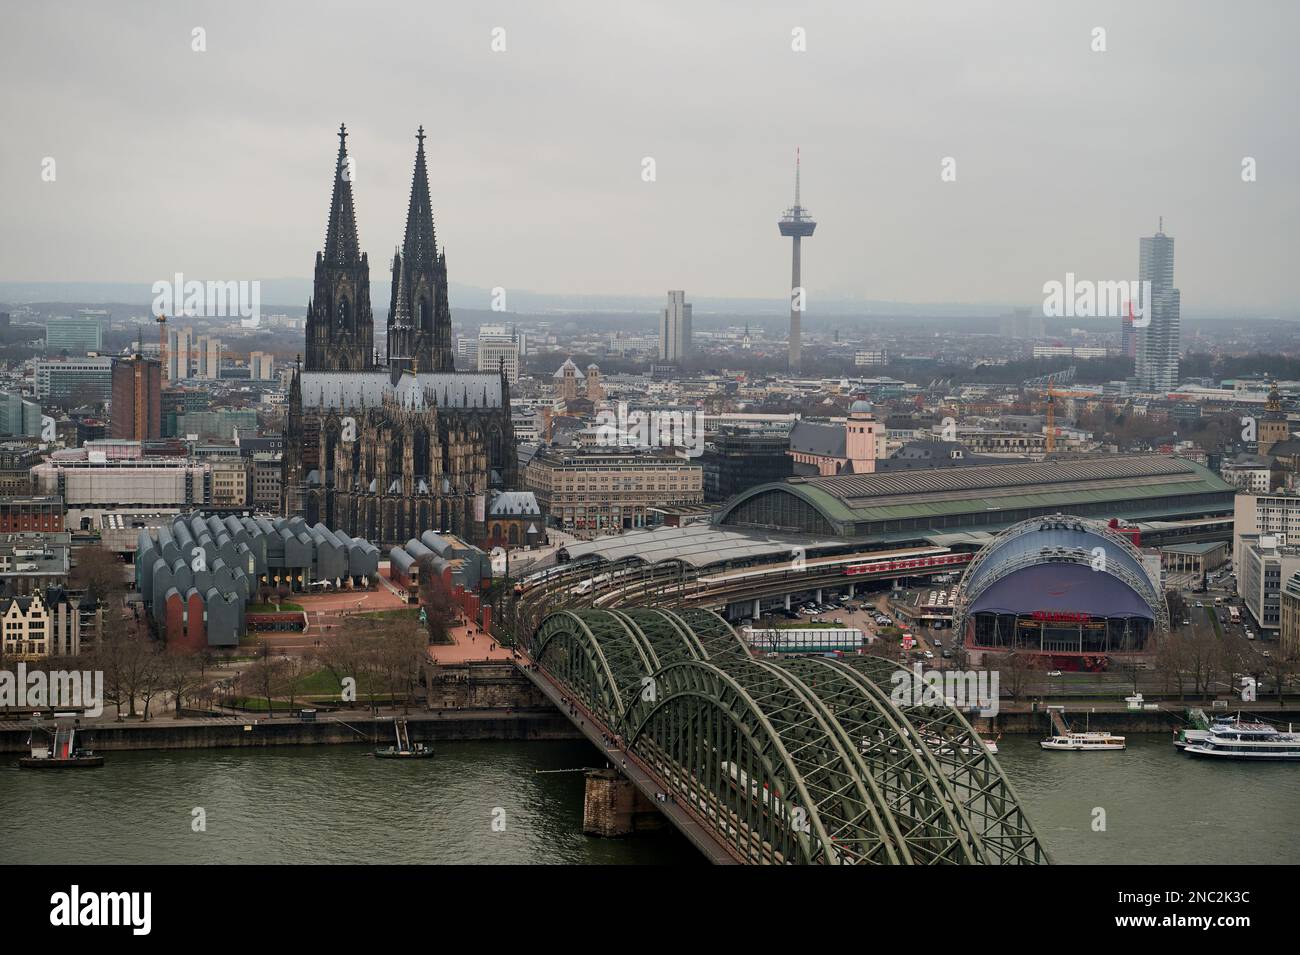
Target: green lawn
[320, 683]
[285, 607]
[259, 703]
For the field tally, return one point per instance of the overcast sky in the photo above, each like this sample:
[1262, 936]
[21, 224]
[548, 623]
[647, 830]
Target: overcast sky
[218, 164]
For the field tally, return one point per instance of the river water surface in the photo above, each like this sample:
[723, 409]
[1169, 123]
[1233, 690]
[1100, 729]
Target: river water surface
[503, 802]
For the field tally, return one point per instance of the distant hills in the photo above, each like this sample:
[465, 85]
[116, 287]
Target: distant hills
[290, 295]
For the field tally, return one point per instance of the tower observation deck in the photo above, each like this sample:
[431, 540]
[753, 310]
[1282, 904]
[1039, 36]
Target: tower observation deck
[796, 223]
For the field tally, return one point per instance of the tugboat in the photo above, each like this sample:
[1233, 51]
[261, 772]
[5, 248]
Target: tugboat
[58, 749]
[403, 747]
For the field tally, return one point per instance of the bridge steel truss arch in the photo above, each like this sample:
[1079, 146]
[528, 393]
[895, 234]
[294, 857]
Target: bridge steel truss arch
[804, 760]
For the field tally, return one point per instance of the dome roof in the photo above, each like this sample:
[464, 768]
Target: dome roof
[861, 407]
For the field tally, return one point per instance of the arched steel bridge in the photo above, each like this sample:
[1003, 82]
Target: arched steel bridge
[804, 760]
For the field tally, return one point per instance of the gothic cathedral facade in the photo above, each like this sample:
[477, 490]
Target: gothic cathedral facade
[386, 451]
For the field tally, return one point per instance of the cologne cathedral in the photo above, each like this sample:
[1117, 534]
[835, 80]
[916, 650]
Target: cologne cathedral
[388, 450]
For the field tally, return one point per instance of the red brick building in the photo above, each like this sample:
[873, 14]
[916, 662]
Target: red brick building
[27, 513]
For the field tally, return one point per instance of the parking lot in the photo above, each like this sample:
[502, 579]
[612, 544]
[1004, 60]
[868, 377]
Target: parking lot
[871, 613]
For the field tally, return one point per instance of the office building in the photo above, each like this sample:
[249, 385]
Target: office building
[261, 366]
[266, 480]
[497, 348]
[1265, 515]
[76, 336]
[1265, 563]
[136, 414]
[600, 491]
[739, 460]
[19, 416]
[1157, 343]
[1289, 630]
[75, 380]
[180, 353]
[675, 329]
[229, 482]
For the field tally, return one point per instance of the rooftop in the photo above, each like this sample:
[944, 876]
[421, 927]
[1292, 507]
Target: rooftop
[698, 545]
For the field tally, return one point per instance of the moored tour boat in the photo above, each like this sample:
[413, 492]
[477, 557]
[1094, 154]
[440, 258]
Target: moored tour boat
[1240, 739]
[1083, 741]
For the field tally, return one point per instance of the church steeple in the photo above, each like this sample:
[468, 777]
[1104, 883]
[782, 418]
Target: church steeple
[341, 246]
[429, 342]
[420, 246]
[340, 326]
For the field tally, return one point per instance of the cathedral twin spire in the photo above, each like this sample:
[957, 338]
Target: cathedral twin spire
[419, 316]
[340, 327]
[341, 245]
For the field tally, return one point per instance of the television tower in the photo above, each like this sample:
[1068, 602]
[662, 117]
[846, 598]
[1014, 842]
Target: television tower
[796, 223]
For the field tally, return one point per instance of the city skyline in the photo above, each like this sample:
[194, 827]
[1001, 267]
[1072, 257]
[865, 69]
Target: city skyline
[1012, 108]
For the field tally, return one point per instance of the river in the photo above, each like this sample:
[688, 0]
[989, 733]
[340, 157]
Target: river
[501, 803]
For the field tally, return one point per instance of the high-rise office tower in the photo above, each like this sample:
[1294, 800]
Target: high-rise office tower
[137, 399]
[675, 328]
[797, 224]
[180, 350]
[214, 358]
[1156, 343]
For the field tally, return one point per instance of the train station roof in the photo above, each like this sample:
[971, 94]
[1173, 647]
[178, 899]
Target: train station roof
[700, 545]
[983, 496]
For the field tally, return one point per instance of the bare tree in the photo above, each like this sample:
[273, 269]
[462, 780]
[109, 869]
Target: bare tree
[150, 676]
[351, 651]
[436, 601]
[1015, 669]
[97, 570]
[403, 651]
[182, 676]
[1282, 666]
[293, 673]
[1203, 655]
[1171, 661]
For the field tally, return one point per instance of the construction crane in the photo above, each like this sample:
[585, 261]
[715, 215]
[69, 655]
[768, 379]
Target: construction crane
[162, 344]
[1051, 418]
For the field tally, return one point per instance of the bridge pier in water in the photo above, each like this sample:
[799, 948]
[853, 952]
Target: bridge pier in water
[612, 806]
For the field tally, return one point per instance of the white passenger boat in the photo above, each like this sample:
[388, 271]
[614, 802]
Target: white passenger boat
[1244, 740]
[1083, 741]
